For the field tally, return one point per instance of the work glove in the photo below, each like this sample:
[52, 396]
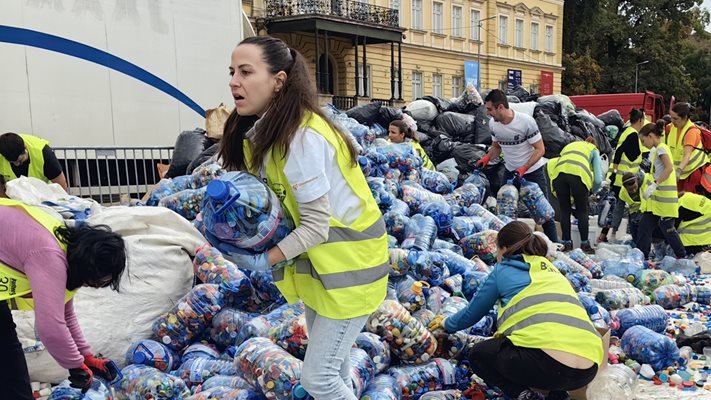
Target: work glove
[483, 162]
[648, 192]
[81, 378]
[436, 323]
[522, 171]
[100, 366]
[240, 257]
[606, 183]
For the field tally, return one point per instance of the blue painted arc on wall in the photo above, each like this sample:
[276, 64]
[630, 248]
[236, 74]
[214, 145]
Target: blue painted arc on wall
[32, 38]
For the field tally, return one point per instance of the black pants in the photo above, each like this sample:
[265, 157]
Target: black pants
[567, 185]
[618, 203]
[539, 176]
[514, 369]
[14, 378]
[647, 226]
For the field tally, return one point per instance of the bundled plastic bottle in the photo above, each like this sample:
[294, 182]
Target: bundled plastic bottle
[198, 370]
[190, 318]
[703, 295]
[241, 210]
[415, 196]
[153, 354]
[144, 382]
[211, 267]
[200, 177]
[616, 299]
[226, 393]
[411, 293]
[266, 294]
[536, 202]
[615, 382]
[648, 347]
[482, 245]
[583, 259]
[673, 296]
[609, 282]
[442, 215]
[619, 249]
[98, 391]
[452, 394]
[436, 297]
[653, 317]
[579, 282]
[377, 349]
[291, 336]
[399, 265]
[226, 326]
[453, 284]
[382, 387]
[420, 233]
[440, 244]
[269, 367]
[365, 165]
[200, 350]
[381, 194]
[260, 326]
[229, 381]
[464, 196]
[597, 313]
[435, 181]
[489, 220]
[362, 370]
[681, 266]
[478, 179]
[395, 224]
[467, 225]
[427, 266]
[458, 264]
[186, 203]
[410, 341]
[647, 280]
[452, 306]
[507, 200]
[206, 173]
[400, 207]
[471, 280]
[621, 267]
[416, 380]
[573, 265]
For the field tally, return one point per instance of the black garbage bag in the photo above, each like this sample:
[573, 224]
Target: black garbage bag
[696, 342]
[204, 156]
[555, 111]
[612, 117]
[603, 143]
[513, 99]
[495, 173]
[387, 114]
[583, 115]
[482, 133]
[188, 147]
[460, 127]
[520, 93]
[424, 126]
[441, 103]
[467, 154]
[554, 138]
[423, 138]
[366, 114]
[441, 148]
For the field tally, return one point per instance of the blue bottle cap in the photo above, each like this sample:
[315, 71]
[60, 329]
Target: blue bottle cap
[218, 190]
[139, 358]
[299, 392]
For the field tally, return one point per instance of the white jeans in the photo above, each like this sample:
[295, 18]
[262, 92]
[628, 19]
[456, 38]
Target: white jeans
[326, 373]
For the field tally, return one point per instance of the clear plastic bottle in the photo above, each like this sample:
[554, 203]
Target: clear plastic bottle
[621, 268]
[619, 249]
[415, 196]
[507, 200]
[395, 224]
[291, 336]
[260, 326]
[616, 299]
[536, 202]
[408, 338]
[464, 196]
[648, 347]
[482, 244]
[398, 262]
[615, 382]
[478, 179]
[458, 264]
[440, 244]
[382, 195]
[652, 316]
[442, 215]
[186, 203]
[579, 256]
[647, 280]
[681, 266]
[471, 281]
[436, 297]
[153, 354]
[377, 349]
[451, 394]
[435, 181]
[489, 220]
[417, 380]
[428, 266]
[230, 381]
[572, 264]
[265, 365]
[210, 266]
[197, 370]
[467, 225]
[382, 387]
[144, 382]
[674, 296]
[420, 233]
[98, 391]
[362, 370]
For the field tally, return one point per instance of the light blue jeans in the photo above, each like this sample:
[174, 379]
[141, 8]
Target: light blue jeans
[326, 373]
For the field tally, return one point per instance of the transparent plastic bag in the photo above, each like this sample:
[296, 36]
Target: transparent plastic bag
[401, 156]
[648, 347]
[291, 335]
[452, 394]
[186, 203]
[399, 265]
[458, 264]
[453, 284]
[467, 225]
[536, 202]
[377, 349]
[141, 381]
[427, 266]
[599, 316]
[507, 200]
[410, 341]
[411, 293]
[153, 354]
[415, 196]
[383, 197]
[269, 367]
[441, 244]
[395, 224]
[362, 370]
[97, 391]
[210, 266]
[265, 295]
[436, 297]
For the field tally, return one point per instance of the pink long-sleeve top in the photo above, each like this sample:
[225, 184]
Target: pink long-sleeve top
[28, 247]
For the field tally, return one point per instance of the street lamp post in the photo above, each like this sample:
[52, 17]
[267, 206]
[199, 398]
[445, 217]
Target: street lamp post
[478, 52]
[636, 73]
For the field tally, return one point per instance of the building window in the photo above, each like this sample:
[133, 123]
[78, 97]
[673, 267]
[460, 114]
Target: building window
[417, 14]
[416, 85]
[534, 35]
[549, 38]
[519, 33]
[436, 85]
[457, 86]
[437, 17]
[368, 90]
[503, 29]
[474, 18]
[457, 21]
[395, 5]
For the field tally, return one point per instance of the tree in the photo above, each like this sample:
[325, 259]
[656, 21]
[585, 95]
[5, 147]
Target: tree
[581, 74]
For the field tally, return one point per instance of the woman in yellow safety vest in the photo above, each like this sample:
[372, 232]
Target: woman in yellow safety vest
[399, 132]
[337, 254]
[694, 222]
[545, 339]
[628, 156]
[684, 141]
[575, 174]
[659, 193]
[42, 264]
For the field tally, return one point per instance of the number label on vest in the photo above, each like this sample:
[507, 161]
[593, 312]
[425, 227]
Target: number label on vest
[8, 285]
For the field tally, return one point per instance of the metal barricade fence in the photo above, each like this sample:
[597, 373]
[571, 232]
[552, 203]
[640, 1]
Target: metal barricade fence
[112, 175]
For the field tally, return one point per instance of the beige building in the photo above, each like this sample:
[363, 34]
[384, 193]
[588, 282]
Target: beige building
[404, 49]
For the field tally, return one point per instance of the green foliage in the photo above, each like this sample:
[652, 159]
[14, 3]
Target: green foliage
[581, 74]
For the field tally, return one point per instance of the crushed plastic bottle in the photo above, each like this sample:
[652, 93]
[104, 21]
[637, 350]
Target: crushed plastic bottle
[382, 387]
[211, 267]
[144, 382]
[416, 380]
[410, 341]
[269, 367]
[652, 316]
[197, 370]
[682, 266]
[489, 220]
[377, 349]
[362, 370]
[648, 347]
[153, 354]
[400, 207]
[420, 233]
[615, 382]
[674, 296]
[507, 200]
[536, 202]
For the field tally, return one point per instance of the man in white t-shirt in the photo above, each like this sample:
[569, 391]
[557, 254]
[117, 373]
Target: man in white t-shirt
[517, 135]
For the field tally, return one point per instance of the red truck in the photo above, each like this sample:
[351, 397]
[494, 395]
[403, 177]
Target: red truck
[653, 104]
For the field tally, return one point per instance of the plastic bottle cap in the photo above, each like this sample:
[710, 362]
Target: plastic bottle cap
[139, 358]
[299, 392]
[218, 190]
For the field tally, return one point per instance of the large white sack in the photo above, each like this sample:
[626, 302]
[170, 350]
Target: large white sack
[34, 191]
[422, 110]
[159, 245]
[526, 108]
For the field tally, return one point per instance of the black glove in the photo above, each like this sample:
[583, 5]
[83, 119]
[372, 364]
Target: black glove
[81, 378]
[516, 180]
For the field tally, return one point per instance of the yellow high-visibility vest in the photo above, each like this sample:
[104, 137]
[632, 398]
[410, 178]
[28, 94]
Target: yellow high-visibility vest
[675, 141]
[627, 165]
[574, 160]
[664, 201]
[696, 232]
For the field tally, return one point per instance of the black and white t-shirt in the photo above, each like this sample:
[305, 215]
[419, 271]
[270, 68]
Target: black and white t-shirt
[516, 140]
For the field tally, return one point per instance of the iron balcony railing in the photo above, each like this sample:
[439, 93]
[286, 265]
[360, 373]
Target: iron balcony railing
[344, 103]
[351, 10]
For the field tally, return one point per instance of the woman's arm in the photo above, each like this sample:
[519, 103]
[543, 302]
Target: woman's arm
[70, 318]
[313, 231]
[481, 304]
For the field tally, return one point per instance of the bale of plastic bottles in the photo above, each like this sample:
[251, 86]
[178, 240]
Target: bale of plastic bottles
[259, 326]
[416, 380]
[382, 387]
[187, 203]
[588, 263]
[200, 350]
[435, 181]
[153, 354]
[616, 299]
[198, 370]
[489, 220]
[442, 215]
[464, 196]
[399, 265]
[269, 367]
[200, 177]
[144, 382]
[648, 347]
[674, 296]
[507, 200]
[377, 349]
[362, 370]
[190, 318]
[409, 340]
[482, 245]
[210, 266]
[536, 202]
[651, 316]
[239, 209]
[291, 335]
[420, 233]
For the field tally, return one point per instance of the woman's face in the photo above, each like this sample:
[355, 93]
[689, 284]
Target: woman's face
[647, 141]
[677, 120]
[395, 135]
[253, 86]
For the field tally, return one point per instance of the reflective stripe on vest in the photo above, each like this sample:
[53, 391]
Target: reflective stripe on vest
[34, 147]
[575, 160]
[664, 200]
[547, 314]
[625, 164]
[698, 156]
[346, 276]
[14, 285]
[696, 232]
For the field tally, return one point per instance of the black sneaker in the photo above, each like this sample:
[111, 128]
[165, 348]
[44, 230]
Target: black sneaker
[567, 246]
[558, 395]
[585, 246]
[529, 395]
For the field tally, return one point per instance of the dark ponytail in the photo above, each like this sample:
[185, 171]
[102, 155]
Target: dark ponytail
[518, 238]
[636, 114]
[656, 128]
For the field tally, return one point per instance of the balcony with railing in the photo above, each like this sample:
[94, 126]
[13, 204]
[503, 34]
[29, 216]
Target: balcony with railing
[353, 11]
